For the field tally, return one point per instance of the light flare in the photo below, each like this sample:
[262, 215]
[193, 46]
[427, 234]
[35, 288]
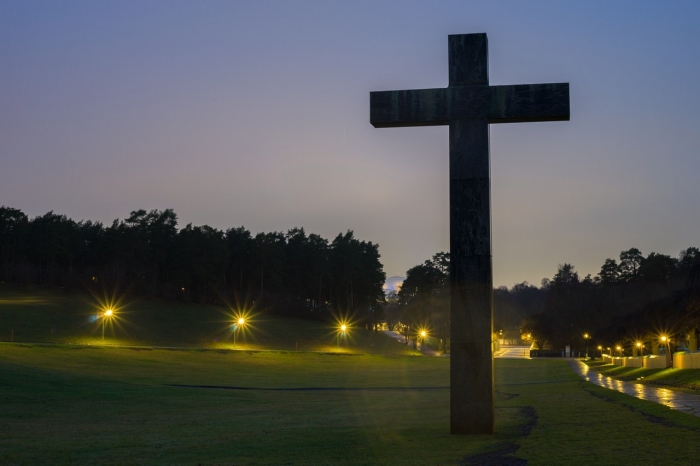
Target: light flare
[109, 306]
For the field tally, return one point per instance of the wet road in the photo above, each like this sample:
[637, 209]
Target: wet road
[686, 402]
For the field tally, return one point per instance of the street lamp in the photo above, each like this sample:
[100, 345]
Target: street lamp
[585, 338]
[342, 331]
[641, 347]
[238, 325]
[619, 348]
[600, 348]
[107, 315]
[423, 335]
[667, 341]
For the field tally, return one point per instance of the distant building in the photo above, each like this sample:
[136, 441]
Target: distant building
[393, 284]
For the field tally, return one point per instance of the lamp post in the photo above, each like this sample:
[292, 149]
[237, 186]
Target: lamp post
[600, 348]
[619, 348]
[107, 315]
[423, 335]
[239, 323]
[641, 347]
[343, 329]
[585, 338]
[667, 341]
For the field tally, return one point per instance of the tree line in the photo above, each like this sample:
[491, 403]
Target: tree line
[423, 301]
[292, 273]
[635, 299]
[628, 300]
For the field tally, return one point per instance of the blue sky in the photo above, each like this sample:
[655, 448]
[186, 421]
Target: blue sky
[257, 114]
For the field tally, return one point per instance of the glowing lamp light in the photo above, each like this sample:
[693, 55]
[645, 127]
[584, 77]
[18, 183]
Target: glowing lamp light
[423, 333]
[664, 338]
[639, 345]
[107, 315]
[238, 326]
[341, 332]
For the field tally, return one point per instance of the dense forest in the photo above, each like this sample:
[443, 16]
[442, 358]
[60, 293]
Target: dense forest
[146, 254]
[630, 300]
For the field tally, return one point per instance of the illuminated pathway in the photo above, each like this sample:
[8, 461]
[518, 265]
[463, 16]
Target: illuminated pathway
[686, 402]
[422, 348]
[513, 352]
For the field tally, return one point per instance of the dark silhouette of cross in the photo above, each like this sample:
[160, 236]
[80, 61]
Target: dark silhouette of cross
[468, 105]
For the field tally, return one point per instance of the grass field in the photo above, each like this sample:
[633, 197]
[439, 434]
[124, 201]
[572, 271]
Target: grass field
[79, 405]
[287, 395]
[49, 315]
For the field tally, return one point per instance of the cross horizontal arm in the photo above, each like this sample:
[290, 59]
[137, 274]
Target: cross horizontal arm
[422, 107]
[529, 103]
[497, 104]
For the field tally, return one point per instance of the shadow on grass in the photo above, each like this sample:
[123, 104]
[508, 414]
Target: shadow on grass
[501, 456]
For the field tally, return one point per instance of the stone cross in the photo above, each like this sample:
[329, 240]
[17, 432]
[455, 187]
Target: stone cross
[468, 105]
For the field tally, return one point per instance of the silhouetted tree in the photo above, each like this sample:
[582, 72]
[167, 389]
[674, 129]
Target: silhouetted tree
[609, 273]
[630, 261]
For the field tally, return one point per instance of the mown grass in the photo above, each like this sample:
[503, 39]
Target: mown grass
[36, 314]
[64, 405]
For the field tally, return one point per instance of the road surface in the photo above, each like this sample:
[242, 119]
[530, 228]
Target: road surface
[513, 352]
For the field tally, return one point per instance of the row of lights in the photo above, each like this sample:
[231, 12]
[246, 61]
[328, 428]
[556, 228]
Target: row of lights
[109, 314]
[240, 323]
[663, 338]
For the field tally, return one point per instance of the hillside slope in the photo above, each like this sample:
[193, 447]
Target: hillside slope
[47, 315]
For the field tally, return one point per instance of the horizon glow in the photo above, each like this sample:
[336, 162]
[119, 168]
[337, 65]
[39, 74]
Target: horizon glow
[257, 114]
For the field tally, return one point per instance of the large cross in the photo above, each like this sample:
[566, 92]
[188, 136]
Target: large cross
[468, 105]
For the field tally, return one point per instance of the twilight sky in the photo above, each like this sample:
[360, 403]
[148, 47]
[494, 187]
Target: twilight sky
[257, 114]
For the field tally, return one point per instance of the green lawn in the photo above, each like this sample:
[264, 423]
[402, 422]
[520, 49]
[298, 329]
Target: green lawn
[287, 395]
[87, 405]
[37, 314]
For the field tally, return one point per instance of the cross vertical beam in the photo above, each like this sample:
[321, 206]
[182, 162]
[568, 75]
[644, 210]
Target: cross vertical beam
[471, 288]
[471, 295]
[468, 105]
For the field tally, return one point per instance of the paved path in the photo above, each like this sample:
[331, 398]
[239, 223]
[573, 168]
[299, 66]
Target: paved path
[513, 352]
[422, 348]
[686, 402]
